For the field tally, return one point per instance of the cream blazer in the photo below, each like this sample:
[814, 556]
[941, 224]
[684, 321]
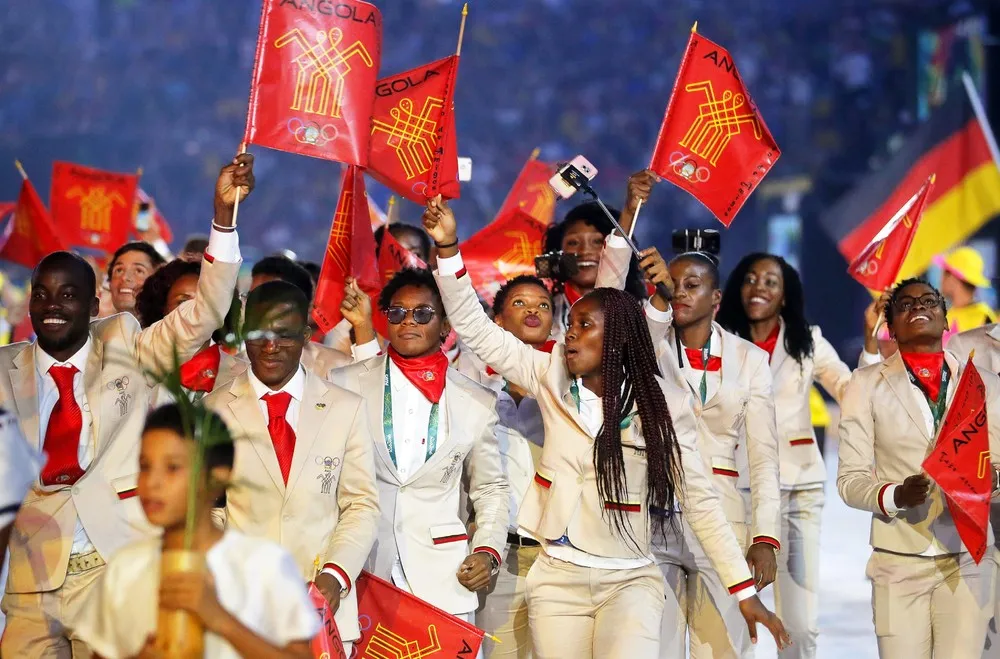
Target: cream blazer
[118, 389]
[742, 446]
[329, 510]
[421, 521]
[984, 340]
[801, 460]
[564, 498]
[884, 439]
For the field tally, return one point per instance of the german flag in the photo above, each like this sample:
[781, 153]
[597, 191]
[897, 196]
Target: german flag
[956, 145]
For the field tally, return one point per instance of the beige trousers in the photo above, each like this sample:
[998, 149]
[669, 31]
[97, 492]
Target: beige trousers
[931, 607]
[796, 590]
[503, 610]
[992, 649]
[588, 613]
[697, 602]
[40, 625]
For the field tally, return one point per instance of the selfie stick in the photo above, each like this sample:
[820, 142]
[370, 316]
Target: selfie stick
[578, 180]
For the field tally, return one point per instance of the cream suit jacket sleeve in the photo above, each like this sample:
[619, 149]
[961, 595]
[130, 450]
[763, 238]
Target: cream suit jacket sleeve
[517, 362]
[357, 497]
[612, 270]
[762, 451]
[191, 325]
[698, 499]
[856, 480]
[828, 370]
[488, 489]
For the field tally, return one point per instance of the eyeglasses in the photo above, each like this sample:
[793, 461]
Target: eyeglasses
[929, 301]
[260, 338]
[421, 315]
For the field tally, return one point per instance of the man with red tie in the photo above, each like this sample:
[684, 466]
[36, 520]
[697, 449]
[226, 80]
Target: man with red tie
[304, 468]
[81, 392]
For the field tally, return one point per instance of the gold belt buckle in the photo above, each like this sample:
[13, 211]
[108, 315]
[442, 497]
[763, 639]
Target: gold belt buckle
[84, 562]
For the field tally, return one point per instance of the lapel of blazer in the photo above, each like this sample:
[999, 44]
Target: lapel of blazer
[246, 411]
[894, 372]
[25, 390]
[94, 386]
[779, 356]
[317, 402]
[955, 365]
[732, 362]
[371, 384]
[676, 360]
[562, 382]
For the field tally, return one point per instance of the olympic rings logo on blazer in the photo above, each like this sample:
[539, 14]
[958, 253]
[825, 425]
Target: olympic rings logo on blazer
[124, 398]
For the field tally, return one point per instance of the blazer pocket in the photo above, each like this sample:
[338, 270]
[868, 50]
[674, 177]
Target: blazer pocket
[126, 487]
[724, 466]
[444, 534]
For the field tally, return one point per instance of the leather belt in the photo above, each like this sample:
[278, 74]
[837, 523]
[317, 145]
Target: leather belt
[520, 541]
[80, 563]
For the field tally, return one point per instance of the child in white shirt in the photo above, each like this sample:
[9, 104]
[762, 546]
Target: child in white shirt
[251, 601]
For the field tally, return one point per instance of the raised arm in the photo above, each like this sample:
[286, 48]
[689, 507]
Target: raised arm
[831, 373]
[191, 325]
[517, 362]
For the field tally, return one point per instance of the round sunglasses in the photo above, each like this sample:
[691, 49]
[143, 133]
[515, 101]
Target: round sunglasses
[421, 315]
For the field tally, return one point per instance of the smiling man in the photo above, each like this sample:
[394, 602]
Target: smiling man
[930, 598]
[81, 393]
[307, 464]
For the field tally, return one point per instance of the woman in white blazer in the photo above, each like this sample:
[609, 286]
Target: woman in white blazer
[595, 590]
[763, 303]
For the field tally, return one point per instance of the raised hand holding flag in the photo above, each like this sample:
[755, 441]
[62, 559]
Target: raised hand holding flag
[878, 264]
[713, 142]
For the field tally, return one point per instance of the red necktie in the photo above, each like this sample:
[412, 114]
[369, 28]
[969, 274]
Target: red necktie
[694, 356]
[62, 435]
[282, 435]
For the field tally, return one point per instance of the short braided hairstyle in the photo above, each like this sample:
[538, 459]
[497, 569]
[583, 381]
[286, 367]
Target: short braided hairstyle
[897, 291]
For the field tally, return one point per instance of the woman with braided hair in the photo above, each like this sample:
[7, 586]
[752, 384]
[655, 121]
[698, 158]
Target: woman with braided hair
[616, 435]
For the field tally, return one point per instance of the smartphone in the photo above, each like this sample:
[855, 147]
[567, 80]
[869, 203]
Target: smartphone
[144, 217]
[464, 169]
[572, 176]
[696, 240]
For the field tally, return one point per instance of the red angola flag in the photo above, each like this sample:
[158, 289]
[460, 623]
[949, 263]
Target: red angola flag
[395, 623]
[960, 463]
[314, 74]
[503, 249]
[327, 643]
[531, 191]
[30, 235]
[92, 207]
[350, 251]
[878, 264]
[413, 147]
[713, 142]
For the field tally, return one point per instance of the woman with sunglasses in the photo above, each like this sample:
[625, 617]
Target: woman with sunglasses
[930, 597]
[433, 428]
[612, 454]
[764, 304]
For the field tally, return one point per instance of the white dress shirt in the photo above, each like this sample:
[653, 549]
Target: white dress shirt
[713, 379]
[295, 387]
[411, 413]
[48, 395]
[224, 246]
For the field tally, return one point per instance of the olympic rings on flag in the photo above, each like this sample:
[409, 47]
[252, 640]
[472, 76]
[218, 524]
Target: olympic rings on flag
[869, 267]
[420, 187]
[310, 132]
[685, 166]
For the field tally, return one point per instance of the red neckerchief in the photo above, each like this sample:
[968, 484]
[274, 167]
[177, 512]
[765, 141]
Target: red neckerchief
[926, 367]
[199, 372]
[572, 295]
[694, 357]
[427, 374]
[545, 347]
[770, 342]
